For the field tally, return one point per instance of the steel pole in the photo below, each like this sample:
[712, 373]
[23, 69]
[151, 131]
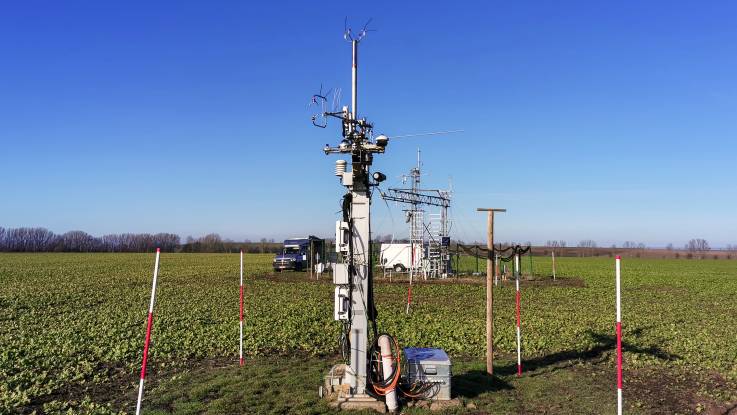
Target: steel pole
[354, 82]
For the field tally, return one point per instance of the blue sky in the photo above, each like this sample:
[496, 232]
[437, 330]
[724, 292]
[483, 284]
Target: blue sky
[586, 120]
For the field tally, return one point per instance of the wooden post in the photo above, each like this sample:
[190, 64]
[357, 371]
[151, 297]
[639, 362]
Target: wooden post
[553, 253]
[490, 265]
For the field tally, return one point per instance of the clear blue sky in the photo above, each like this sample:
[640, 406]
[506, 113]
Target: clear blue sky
[586, 120]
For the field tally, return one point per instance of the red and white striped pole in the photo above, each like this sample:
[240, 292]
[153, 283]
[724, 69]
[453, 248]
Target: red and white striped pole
[411, 267]
[149, 324]
[409, 297]
[619, 336]
[519, 319]
[241, 314]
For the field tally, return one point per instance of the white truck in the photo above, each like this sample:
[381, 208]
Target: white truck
[397, 257]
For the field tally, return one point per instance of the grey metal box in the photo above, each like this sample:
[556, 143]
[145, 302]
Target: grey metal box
[430, 365]
[340, 274]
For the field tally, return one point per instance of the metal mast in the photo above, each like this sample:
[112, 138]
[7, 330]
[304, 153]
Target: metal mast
[416, 223]
[354, 304]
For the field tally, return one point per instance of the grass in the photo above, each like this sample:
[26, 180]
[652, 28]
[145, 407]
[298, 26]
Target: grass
[71, 333]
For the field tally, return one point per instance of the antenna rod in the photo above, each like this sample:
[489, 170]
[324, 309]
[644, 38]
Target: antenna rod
[354, 82]
[432, 133]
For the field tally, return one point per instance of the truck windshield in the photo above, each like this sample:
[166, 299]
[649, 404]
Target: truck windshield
[291, 250]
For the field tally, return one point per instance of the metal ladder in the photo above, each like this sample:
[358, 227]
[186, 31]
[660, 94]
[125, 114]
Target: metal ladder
[416, 237]
[434, 248]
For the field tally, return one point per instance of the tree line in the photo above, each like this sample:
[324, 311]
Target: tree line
[44, 240]
[27, 239]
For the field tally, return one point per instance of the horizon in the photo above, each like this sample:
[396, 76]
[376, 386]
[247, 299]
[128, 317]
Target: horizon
[586, 121]
[384, 237]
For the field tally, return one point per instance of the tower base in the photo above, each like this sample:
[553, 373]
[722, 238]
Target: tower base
[340, 396]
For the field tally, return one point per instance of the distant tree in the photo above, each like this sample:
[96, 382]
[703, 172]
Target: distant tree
[587, 243]
[629, 245]
[79, 241]
[697, 245]
[212, 243]
[641, 246]
[669, 247]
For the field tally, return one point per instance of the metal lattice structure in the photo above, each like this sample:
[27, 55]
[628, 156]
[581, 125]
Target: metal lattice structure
[431, 236]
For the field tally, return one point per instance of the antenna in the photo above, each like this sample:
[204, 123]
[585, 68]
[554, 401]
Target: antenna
[432, 133]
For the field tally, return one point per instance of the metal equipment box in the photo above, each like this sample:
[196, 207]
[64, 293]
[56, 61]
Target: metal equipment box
[428, 365]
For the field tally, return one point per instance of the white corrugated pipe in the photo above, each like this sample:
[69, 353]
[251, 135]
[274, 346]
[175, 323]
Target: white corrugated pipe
[387, 363]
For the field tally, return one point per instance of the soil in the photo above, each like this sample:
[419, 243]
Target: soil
[659, 391]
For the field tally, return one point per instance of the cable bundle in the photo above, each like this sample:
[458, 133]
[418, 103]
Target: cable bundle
[376, 379]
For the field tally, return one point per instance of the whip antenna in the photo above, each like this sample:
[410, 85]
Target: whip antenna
[431, 133]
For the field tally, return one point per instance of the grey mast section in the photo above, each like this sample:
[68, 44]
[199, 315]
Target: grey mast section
[360, 211]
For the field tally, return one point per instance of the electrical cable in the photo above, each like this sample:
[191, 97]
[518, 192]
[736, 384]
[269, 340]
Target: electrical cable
[375, 376]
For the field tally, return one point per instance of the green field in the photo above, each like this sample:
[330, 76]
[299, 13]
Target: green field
[72, 327]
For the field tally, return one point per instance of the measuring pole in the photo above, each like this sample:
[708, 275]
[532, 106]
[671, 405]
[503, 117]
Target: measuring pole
[477, 259]
[619, 335]
[149, 325]
[411, 266]
[241, 314]
[490, 265]
[519, 334]
[496, 269]
[553, 254]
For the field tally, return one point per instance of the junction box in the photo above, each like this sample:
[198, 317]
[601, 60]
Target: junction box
[429, 365]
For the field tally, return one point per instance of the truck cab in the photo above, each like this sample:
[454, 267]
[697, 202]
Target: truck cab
[293, 256]
[298, 254]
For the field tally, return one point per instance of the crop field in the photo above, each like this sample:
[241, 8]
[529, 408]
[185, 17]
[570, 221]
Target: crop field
[72, 329]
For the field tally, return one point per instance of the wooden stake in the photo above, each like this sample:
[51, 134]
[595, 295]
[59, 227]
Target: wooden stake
[490, 265]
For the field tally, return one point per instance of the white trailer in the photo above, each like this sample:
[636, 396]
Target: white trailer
[397, 257]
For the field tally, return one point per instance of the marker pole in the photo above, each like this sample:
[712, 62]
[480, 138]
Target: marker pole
[241, 314]
[519, 319]
[409, 298]
[553, 254]
[411, 266]
[149, 324]
[619, 336]
[496, 269]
